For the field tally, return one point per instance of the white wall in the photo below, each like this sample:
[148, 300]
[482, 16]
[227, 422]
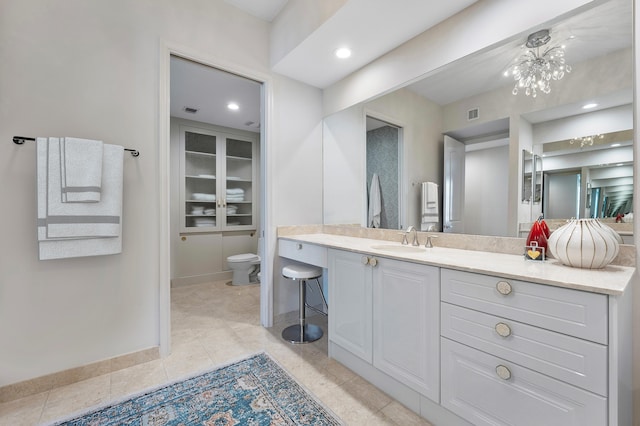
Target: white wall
[295, 151]
[91, 69]
[486, 190]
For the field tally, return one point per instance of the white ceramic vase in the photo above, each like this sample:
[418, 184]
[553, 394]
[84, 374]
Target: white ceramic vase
[584, 243]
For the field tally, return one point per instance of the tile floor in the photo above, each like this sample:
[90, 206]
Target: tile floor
[213, 324]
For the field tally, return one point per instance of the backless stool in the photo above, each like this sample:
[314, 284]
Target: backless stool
[303, 332]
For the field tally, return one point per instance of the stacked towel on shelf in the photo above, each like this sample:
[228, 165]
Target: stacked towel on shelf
[76, 229]
[209, 212]
[201, 196]
[204, 221]
[235, 195]
[232, 209]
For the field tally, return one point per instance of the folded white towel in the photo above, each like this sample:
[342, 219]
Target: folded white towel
[80, 170]
[79, 220]
[201, 196]
[235, 191]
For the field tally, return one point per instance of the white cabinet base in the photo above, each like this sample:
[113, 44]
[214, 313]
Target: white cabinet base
[411, 399]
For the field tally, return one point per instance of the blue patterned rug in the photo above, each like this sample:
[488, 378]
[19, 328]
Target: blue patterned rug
[254, 391]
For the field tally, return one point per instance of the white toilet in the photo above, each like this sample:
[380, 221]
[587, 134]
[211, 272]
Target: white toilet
[244, 266]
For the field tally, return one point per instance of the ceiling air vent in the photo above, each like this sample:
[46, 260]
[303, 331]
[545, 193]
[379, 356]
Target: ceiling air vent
[190, 110]
[473, 114]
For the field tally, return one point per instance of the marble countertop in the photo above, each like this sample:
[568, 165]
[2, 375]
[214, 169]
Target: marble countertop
[611, 280]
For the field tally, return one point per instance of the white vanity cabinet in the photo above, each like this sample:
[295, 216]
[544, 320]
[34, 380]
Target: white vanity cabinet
[351, 310]
[521, 353]
[386, 313]
[406, 324]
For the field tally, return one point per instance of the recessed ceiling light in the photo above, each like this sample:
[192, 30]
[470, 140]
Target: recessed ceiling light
[233, 106]
[615, 145]
[589, 106]
[343, 52]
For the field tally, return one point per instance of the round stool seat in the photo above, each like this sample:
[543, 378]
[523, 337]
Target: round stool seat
[301, 272]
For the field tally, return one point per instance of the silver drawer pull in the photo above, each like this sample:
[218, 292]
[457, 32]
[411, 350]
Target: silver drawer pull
[503, 329]
[298, 246]
[365, 260]
[503, 372]
[504, 287]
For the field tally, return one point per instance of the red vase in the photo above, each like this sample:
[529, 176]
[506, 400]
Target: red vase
[537, 235]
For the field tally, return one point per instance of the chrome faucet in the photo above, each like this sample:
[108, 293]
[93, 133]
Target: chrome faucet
[415, 236]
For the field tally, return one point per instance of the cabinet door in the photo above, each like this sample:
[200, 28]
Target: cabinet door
[199, 179]
[350, 321]
[238, 200]
[486, 390]
[406, 324]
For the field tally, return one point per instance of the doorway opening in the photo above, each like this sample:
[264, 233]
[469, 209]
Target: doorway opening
[213, 176]
[384, 155]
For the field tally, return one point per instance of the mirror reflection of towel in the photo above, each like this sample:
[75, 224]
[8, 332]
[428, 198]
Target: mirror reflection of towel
[375, 205]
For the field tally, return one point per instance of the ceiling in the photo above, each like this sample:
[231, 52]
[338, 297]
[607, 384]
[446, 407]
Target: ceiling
[266, 10]
[598, 31]
[370, 28]
[209, 90]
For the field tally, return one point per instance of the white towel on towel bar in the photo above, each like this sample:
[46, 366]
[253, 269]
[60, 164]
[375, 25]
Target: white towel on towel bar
[375, 202]
[80, 220]
[50, 248]
[80, 170]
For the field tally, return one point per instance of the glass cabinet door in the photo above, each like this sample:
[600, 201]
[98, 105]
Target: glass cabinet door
[200, 178]
[239, 166]
[218, 180]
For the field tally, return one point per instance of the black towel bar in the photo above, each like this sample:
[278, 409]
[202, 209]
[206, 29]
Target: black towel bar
[22, 139]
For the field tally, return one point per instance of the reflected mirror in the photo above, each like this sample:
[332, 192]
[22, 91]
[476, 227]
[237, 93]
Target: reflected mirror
[527, 175]
[471, 102]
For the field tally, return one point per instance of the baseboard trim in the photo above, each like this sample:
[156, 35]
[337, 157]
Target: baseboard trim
[199, 279]
[62, 378]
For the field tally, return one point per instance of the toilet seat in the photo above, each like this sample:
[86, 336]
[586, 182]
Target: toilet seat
[245, 257]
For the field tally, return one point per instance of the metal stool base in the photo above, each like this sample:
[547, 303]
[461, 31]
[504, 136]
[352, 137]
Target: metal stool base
[294, 334]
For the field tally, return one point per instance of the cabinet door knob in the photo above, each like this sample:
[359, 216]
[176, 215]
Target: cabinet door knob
[504, 287]
[503, 372]
[365, 260]
[503, 329]
[373, 261]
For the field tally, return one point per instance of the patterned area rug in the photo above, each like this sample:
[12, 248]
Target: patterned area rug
[254, 391]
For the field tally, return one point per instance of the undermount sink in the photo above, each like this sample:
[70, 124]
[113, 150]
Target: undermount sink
[395, 248]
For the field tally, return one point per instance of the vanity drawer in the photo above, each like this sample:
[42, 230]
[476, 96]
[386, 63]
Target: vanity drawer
[487, 390]
[303, 252]
[573, 312]
[575, 361]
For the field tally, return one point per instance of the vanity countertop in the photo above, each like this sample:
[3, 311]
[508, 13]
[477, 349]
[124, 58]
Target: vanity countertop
[611, 280]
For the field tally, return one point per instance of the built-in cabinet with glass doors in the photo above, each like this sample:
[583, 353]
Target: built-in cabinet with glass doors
[218, 191]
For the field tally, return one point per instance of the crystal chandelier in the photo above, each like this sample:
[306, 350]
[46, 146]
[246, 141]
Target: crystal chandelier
[586, 140]
[534, 70]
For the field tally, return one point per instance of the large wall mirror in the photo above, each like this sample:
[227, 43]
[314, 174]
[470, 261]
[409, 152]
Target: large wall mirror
[472, 102]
